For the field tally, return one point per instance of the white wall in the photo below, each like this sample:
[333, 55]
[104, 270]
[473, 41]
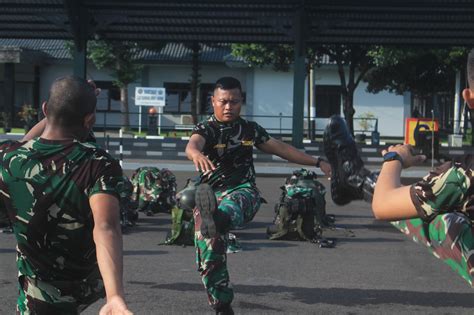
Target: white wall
[273, 94]
[269, 93]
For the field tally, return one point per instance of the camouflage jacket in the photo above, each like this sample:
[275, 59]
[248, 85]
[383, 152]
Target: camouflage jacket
[230, 147]
[151, 184]
[46, 186]
[449, 188]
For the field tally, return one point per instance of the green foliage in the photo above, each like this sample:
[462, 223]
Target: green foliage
[259, 55]
[27, 113]
[366, 121]
[418, 70]
[116, 56]
[5, 120]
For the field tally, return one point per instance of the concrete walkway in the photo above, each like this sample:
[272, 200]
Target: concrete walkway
[263, 169]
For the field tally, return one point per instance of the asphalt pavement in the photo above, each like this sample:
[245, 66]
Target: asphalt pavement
[373, 269]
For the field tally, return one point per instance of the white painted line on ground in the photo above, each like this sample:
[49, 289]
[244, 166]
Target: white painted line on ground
[154, 153]
[140, 144]
[369, 149]
[124, 152]
[168, 145]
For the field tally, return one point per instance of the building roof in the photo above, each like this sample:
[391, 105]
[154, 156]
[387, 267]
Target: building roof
[170, 53]
[430, 22]
[56, 49]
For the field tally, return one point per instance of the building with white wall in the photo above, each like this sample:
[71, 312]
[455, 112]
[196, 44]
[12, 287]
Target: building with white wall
[268, 94]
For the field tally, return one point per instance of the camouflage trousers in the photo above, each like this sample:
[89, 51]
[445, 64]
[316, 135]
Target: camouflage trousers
[41, 297]
[449, 236]
[240, 204]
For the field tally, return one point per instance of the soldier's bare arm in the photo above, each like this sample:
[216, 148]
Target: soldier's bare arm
[194, 153]
[392, 201]
[108, 240]
[291, 154]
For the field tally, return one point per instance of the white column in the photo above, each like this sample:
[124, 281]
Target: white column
[457, 103]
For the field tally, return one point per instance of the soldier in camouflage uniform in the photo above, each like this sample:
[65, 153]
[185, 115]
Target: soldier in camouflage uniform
[154, 190]
[437, 211]
[221, 149]
[128, 212]
[62, 198]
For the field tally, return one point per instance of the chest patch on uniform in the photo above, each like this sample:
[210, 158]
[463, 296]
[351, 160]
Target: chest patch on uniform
[247, 142]
[220, 146]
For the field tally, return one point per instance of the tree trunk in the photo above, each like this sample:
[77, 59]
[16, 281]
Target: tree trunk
[348, 108]
[195, 81]
[124, 108]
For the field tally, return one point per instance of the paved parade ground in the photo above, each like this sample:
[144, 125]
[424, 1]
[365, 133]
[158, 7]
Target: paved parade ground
[375, 270]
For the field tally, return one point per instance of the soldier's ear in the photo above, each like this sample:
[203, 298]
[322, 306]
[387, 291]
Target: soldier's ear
[44, 108]
[468, 96]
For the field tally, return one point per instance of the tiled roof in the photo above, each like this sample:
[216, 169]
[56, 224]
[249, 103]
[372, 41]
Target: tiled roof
[170, 53]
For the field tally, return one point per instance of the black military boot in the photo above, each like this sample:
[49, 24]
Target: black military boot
[348, 171]
[206, 204]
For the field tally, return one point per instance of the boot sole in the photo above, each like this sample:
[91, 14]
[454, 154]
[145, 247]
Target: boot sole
[207, 204]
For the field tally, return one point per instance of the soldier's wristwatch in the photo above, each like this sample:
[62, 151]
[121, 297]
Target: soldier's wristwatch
[318, 161]
[392, 156]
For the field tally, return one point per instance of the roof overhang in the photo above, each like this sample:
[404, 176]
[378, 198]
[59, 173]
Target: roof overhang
[401, 22]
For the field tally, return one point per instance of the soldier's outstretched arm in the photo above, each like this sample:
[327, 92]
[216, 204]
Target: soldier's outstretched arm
[291, 154]
[194, 153]
[108, 241]
[392, 201]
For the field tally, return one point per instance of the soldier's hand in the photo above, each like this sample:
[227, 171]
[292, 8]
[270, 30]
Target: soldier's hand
[203, 164]
[325, 168]
[407, 153]
[115, 306]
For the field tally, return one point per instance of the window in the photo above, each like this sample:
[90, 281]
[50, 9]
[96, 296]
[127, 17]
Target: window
[178, 98]
[328, 100]
[207, 90]
[109, 97]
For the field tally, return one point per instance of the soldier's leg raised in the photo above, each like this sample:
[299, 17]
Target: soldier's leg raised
[211, 226]
[350, 180]
[450, 236]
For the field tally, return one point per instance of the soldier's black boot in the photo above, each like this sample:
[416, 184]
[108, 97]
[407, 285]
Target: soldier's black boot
[348, 172]
[225, 310]
[206, 204]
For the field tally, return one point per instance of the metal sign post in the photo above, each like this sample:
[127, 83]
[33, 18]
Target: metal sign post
[150, 96]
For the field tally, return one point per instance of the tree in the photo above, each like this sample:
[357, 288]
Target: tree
[417, 70]
[352, 62]
[118, 57]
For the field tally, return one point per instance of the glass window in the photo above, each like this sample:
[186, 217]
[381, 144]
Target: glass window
[109, 97]
[328, 100]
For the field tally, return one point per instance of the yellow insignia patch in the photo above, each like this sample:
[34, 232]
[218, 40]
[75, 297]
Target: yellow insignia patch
[220, 146]
[247, 142]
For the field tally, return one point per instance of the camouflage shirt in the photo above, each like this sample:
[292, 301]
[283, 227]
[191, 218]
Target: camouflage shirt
[46, 186]
[446, 189]
[230, 147]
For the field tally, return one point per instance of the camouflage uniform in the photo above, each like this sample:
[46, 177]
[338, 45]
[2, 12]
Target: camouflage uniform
[229, 146]
[154, 190]
[444, 200]
[46, 186]
[128, 214]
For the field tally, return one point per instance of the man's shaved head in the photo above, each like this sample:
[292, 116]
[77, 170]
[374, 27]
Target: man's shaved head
[70, 100]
